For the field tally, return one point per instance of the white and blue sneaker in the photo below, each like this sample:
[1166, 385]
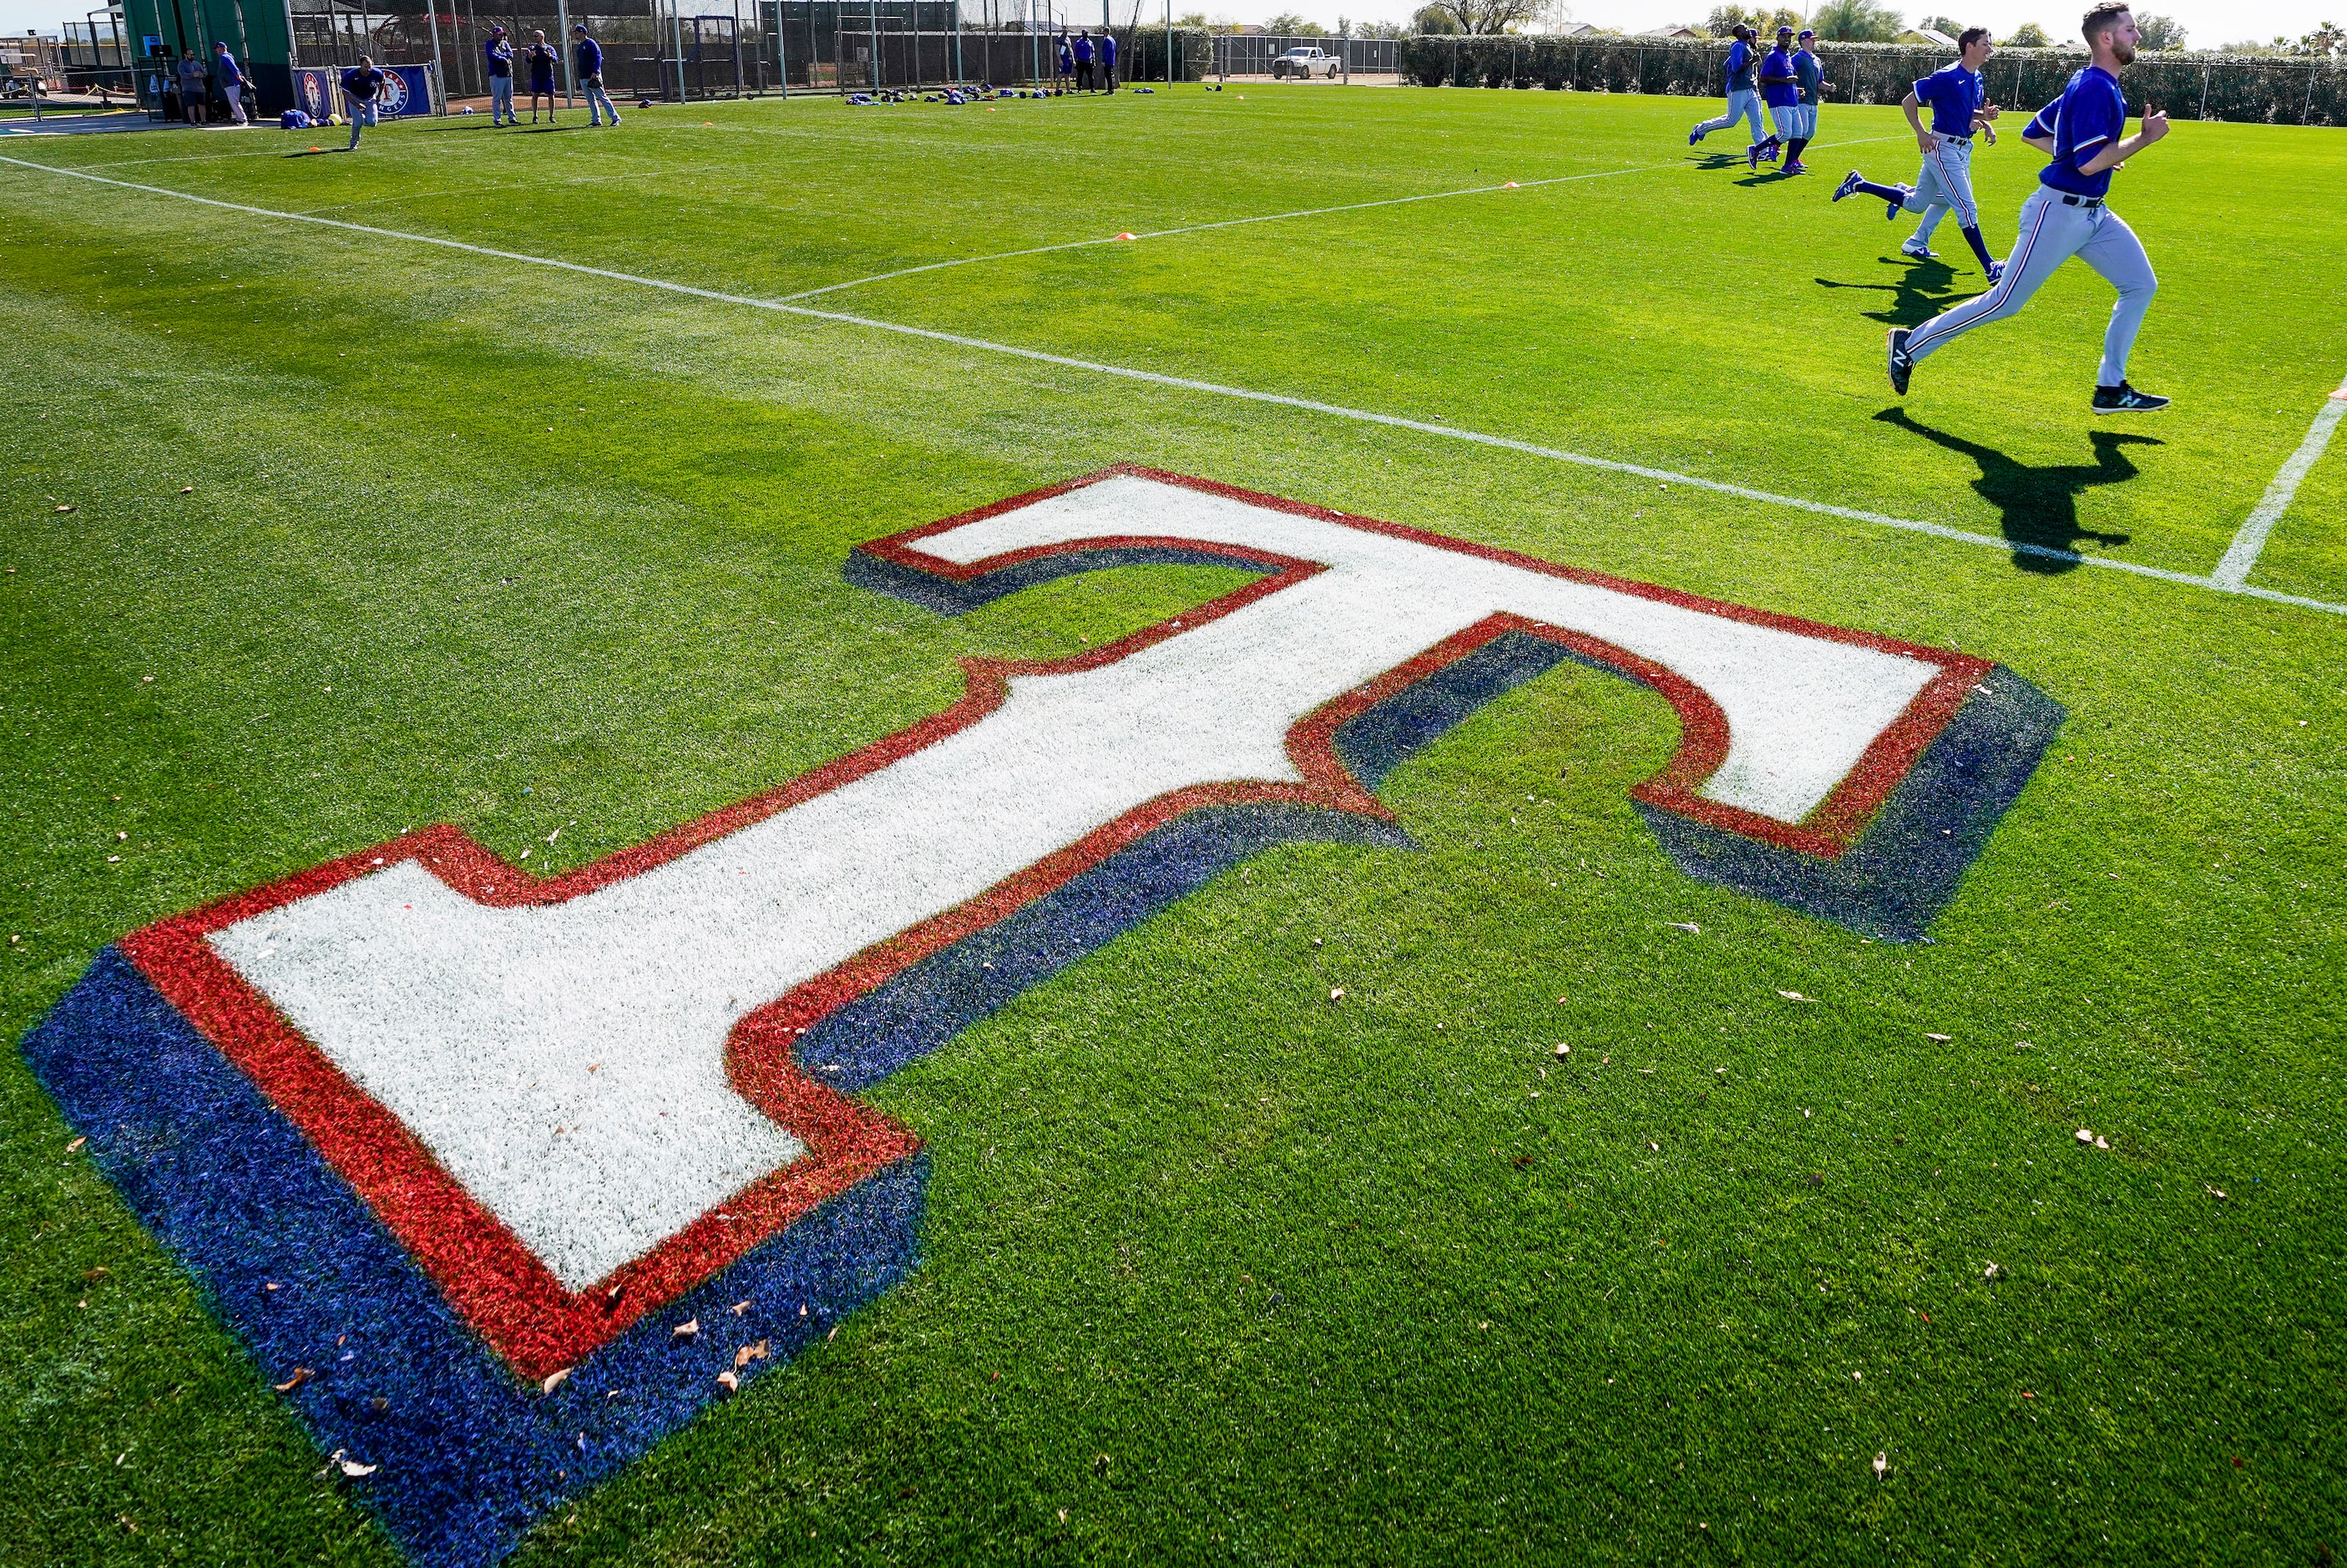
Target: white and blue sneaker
[1919, 251]
[1850, 184]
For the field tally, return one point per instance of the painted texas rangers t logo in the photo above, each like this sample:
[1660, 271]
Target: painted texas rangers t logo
[502, 1179]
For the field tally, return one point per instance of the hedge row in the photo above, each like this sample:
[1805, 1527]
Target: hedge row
[2269, 90]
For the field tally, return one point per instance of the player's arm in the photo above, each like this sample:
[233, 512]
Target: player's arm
[1923, 138]
[1981, 125]
[2154, 125]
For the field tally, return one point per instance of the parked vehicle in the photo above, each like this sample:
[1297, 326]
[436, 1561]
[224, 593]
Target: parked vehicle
[1306, 61]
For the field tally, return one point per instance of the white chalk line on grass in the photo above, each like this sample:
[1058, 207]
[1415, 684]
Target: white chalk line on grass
[2241, 555]
[1271, 218]
[1218, 389]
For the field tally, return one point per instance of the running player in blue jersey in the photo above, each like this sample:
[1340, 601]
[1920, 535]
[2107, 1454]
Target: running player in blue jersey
[1958, 100]
[1781, 89]
[1743, 100]
[2084, 135]
[1809, 84]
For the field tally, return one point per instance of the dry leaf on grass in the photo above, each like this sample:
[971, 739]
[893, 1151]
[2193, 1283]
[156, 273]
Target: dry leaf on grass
[1796, 996]
[1943, 1039]
[75, 1147]
[1563, 1049]
[749, 1353]
[687, 1329]
[301, 1376]
[2085, 1134]
[1992, 1271]
[731, 1380]
[1882, 1464]
[351, 1467]
[554, 1379]
[1337, 995]
[1687, 925]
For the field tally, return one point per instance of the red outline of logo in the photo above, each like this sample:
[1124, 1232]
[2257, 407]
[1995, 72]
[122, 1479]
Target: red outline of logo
[510, 1297]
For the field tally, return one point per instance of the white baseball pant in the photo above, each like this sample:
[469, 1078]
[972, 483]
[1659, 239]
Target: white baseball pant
[2051, 231]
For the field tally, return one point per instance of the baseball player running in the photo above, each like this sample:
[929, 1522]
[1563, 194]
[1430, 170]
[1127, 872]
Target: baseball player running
[1780, 86]
[2084, 137]
[1810, 80]
[1743, 101]
[1959, 104]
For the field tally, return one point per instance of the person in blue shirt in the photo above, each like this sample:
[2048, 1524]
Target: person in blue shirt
[1781, 91]
[229, 80]
[586, 59]
[1743, 99]
[1958, 99]
[541, 60]
[500, 55]
[362, 91]
[2085, 137]
[1065, 63]
[1107, 62]
[1084, 61]
[1809, 85]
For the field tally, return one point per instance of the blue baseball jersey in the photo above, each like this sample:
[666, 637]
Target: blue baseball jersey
[1084, 50]
[591, 58]
[361, 82]
[1781, 95]
[1108, 48]
[224, 67]
[1953, 94]
[1740, 66]
[499, 54]
[1810, 74]
[2090, 116]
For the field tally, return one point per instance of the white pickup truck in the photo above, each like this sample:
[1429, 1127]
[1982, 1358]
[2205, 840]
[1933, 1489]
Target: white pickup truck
[1306, 61]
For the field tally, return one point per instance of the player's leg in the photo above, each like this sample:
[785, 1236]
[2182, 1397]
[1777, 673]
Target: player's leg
[2113, 250]
[1955, 166]
[1708, 127]
[2050, 234]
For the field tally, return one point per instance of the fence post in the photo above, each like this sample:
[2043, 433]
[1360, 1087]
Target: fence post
[2306, 113]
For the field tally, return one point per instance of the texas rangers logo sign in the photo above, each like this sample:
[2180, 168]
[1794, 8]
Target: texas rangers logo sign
[502, 1179]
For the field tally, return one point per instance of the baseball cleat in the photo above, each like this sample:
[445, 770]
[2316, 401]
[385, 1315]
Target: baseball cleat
[1752, 156]
[1995, 272]
[2125, 399]
[1903, 366]
[1850, 184]
[1797, 167]
[1695, 136]
[1919, 251]
[1771, 149]
[1890, 209]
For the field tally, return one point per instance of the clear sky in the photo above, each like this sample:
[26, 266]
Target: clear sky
[2208, 21]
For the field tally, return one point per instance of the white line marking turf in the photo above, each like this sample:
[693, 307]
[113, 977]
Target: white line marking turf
[2241, 556]
[1216, 389]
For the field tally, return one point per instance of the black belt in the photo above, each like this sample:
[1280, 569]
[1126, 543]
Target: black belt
[2082, 202]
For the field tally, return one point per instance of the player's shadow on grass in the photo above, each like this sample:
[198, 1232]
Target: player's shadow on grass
[1923, 290]
[1717, 160]
[1769, 176]
[2039, 506]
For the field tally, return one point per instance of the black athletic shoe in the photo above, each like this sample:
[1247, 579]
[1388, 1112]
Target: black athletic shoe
[1902, 363]
[2125, 399]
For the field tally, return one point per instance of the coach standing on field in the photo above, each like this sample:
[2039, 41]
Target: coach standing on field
[2085, 136]
[590, 56]
[1108, 61]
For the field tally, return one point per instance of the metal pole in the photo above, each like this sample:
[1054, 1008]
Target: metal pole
[676, 36]
[439, 70]
[2306, 114]
[783, 54]
[874, 6]
[562, 42]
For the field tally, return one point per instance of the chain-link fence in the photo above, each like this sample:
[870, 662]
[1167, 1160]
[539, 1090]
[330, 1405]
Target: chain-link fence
[1258, 54]
[2269, 90]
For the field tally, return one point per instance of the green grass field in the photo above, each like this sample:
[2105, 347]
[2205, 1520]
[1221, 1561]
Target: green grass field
[1213, 1270]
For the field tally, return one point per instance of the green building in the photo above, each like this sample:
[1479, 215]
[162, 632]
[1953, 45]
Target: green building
[260, 33]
